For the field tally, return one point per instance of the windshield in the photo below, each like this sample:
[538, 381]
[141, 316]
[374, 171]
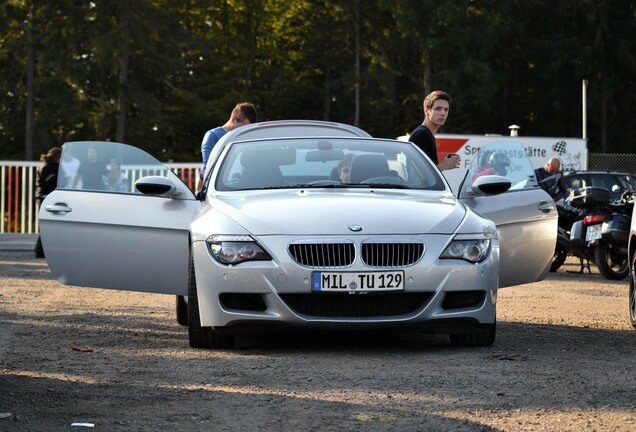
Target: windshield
[325, 162]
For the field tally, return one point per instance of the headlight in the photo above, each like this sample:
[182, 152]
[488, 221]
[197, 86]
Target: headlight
[236, 249]
[471, 250]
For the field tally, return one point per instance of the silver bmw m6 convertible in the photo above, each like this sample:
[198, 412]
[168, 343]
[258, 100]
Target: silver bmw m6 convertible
[305, 226]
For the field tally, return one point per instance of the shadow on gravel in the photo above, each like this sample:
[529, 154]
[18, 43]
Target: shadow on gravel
[124, 326]
[130, 329]
[137, 373]
[511, 336]
[53, 405]
[128, 367]
[29, 270]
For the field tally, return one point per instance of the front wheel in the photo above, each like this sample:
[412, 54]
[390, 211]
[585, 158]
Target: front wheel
[632, 292]
[202, 337]
[484, 337]
[610, 261]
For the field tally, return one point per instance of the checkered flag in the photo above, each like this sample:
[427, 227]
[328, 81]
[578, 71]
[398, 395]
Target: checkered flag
[560, 148]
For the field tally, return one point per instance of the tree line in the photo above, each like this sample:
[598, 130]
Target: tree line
[157, 74]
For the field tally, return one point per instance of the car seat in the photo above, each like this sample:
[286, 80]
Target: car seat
[334, 174]
[261, 169]
[364, 167]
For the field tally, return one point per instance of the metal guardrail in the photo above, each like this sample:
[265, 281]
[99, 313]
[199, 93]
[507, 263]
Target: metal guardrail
[19, 207]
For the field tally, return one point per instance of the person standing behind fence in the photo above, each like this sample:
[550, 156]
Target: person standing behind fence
[46, 182]
[116, 179]
[69, 166]
[91, 172]
[243, 114]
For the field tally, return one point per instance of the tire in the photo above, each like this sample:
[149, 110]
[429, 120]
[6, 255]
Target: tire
[610, 262]
[484, 337]
[632, 291]
[560, 255]
[182, 311]
[202, 337]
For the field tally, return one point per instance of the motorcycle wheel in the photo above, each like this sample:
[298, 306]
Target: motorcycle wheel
[610, 262]
[632, 292]
[560, 255]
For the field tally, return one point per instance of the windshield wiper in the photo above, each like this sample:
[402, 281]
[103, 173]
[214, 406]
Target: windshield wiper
[386, 185]
[318, 185]
[335, 186]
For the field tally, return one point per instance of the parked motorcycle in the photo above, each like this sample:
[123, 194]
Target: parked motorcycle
[601, 234]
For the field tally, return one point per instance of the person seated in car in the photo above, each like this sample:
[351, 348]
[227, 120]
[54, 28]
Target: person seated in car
[116, 179]
[344, 168]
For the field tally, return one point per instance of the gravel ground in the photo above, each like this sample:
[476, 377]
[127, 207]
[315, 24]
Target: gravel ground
[564, 360]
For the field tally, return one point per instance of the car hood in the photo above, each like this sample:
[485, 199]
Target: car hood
[331, 212]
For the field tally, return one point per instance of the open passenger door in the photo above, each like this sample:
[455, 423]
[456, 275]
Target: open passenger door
[525, 215]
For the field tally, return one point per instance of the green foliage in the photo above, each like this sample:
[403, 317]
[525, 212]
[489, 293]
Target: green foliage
[159, 73]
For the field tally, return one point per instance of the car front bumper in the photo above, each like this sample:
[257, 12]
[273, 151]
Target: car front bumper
[438, 296]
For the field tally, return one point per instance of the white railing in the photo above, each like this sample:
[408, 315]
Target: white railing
[19, 207]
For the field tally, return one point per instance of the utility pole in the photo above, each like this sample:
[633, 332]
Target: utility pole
[584, 105]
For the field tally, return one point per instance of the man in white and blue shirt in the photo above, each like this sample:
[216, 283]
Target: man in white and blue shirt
[243, 114]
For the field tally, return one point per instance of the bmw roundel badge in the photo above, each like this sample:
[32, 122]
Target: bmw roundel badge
[355, 228]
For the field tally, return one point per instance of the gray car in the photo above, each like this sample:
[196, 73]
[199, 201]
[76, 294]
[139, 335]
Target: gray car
[276, 239]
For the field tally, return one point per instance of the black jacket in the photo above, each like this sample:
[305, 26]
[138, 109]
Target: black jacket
[46, 181]
[551, 183]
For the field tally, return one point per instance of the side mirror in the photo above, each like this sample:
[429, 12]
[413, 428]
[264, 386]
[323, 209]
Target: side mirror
[157, 186]
[490, 185]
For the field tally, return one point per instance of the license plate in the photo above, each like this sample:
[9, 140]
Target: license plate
[593, 232]
[357, 282]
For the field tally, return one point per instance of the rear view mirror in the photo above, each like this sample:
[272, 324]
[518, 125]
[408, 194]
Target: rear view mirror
[324, 155]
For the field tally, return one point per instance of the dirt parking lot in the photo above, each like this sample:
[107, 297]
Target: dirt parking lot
[564, 360]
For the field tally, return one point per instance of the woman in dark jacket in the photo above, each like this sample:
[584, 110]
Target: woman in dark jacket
[46, 182]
